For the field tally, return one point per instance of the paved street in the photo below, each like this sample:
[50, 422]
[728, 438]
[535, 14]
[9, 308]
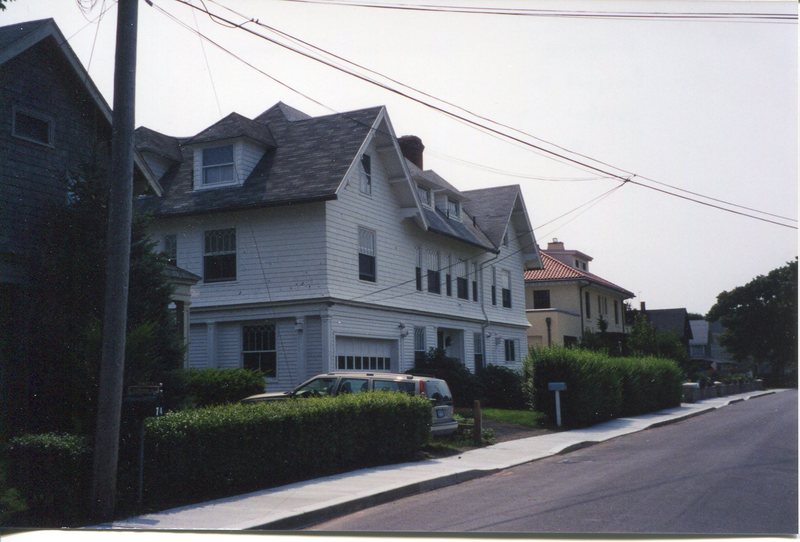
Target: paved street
[733, 471]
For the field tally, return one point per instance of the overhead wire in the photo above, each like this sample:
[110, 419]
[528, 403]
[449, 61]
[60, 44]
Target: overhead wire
[242, 26]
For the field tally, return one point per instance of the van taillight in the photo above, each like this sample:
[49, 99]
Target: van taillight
[422, 388]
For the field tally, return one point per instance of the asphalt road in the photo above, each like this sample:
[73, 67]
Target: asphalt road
[732, 471]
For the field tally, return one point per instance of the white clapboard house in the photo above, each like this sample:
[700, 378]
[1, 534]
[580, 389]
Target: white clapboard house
[322, 245]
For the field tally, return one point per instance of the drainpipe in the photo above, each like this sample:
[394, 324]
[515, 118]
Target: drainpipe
[549, 322]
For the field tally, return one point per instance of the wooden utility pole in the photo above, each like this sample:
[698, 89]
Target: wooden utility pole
[118, 251]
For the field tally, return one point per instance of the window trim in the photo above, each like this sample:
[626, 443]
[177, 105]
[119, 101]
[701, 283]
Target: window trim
[540, 294]
[510, 346]
[506, 292]
[204, 169]
[267, 327]
[207, 255]
[434, 274]
[15, 110]
[363, 274]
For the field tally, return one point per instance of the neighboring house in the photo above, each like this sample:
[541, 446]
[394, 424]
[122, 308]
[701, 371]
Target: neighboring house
[675, 321]
[323, 244]
[705, 346]
[564, 300]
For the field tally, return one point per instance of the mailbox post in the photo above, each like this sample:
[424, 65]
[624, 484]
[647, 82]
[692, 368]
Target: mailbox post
[143, 402]
[557, 387]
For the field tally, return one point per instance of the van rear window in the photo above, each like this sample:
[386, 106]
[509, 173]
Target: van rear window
[393, 385]
[438, 391]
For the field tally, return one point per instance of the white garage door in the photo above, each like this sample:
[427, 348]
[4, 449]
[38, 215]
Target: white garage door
[360, 354]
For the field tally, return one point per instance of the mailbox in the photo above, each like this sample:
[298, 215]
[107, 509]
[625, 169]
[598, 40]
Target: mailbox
[557, 386]
[144, 401]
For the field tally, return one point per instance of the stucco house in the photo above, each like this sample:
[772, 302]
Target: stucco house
[564, 299]
[323, 244]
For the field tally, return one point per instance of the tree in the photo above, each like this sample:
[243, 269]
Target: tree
[65, 344]
[645, 340]
[760, 319]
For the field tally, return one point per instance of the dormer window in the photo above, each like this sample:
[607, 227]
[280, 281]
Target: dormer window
[453, 209]
[218, 165]
[424, 195]
[32, 127]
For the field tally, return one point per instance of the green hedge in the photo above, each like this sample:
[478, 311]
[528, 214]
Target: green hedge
[193, 388]
[206, 453]
[52, 472]
[600, 387]
[501, 387]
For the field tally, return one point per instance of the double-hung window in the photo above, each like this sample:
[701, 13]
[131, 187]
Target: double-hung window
[588, 305]
[424, 195]
[366, 175]
[475, 282]
[462, 289]
[507, 289]
[494, 285]
[434, 275]
[418, 270]
[616, 312]
[453, 209]
[219, 256]
[366, 254]
[448, 276]
[258, 349]
[510, 348]
[218, 165]
[541, 299]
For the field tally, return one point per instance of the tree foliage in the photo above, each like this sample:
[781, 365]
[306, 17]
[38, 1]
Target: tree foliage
[64, 347]
[760, 319]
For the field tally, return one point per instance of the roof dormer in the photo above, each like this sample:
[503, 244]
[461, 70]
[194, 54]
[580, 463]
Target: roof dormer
[226, 153]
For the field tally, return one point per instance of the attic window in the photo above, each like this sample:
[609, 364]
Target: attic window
[366, 175]
[453, 209]
[424, 195]
[218, 165]
[33, 127]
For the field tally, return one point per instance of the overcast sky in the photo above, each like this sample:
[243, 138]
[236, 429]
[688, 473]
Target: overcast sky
[708, 106]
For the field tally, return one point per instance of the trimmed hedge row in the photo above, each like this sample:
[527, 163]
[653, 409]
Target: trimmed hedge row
[193, 388]
[206, 453]
[600, 388]
[52, 473]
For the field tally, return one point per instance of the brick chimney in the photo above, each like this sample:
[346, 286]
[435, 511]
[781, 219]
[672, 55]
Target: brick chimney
[412, 148]
[555, 244]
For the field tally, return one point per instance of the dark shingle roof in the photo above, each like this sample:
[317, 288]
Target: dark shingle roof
[459, 229]
[148, 140]
[14, 32]
[232, 126]
[308, 163]
[492, 208]
[674, 320]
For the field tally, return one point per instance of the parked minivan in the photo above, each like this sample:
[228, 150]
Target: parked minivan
[338, 383]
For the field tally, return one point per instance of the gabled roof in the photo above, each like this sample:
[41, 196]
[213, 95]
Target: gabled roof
[556, 271]
[308, 162]
[148, 140]
[674, 320]
[18, 38]
[494, 209]
[234, 126]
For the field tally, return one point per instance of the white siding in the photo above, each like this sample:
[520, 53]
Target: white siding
[198, 353]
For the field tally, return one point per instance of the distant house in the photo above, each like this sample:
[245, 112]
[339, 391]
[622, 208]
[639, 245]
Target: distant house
[564, 299]
[675, 321]
[323, 244]
[705, 346]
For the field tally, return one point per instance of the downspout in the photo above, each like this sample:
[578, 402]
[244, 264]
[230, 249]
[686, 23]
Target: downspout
[549, 322]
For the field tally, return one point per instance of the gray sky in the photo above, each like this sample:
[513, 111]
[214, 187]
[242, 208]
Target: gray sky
[705, 106]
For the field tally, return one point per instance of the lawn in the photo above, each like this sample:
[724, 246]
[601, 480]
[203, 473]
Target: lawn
[528, 418]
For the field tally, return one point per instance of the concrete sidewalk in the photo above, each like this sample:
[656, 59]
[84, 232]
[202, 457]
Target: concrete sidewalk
[312, 501]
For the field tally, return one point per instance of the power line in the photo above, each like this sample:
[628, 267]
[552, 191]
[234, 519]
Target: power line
[749, 17]
[510, 137]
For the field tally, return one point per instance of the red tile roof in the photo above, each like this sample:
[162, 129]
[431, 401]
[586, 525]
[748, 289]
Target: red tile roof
[554, 270]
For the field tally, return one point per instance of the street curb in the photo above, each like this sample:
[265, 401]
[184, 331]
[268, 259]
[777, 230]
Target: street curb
[313, 517]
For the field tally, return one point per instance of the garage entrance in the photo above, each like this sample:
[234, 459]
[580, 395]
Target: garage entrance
[361, 354]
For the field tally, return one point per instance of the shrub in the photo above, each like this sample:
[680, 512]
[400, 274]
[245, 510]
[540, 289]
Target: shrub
[51, 471]
[594, 390]
[462, 383]
[205, 453]
[600, 388]
[191, 388]
[501, 387]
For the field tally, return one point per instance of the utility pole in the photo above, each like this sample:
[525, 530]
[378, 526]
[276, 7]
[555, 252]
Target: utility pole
[118, 251]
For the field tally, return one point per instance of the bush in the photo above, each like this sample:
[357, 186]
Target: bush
[462, 383]
[192, 388]
[206, 453]
[501, 387]
[51, 472]
[600, 388]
